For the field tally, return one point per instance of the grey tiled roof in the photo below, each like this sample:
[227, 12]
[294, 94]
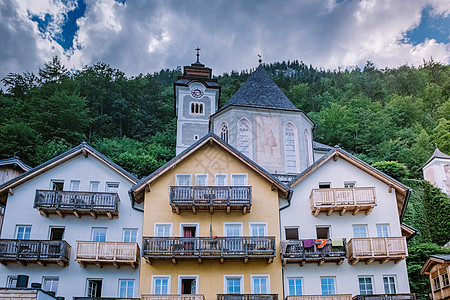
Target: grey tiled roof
[320, 146]
[436, 154]
[260, 91]
[15, 161]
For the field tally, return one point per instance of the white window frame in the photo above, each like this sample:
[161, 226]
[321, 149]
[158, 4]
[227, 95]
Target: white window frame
[324, 183]
[52, 278]
[330, 233]
[118, 290]
[373, 283]
[296, 148]
[92, 233]
[252, 288]
[52, 227]
[180, 277]
[233, 223]
[25, 227]
[111, 183]
[194, 224]
[363, 225]
[177, 179]
[291, 227]
[155, 232]
[72, 182]
[87, 284]
[226, 179]
[387, 227]
[131, 229]
[169, 279]
[10, 280]
[201, 174]
[301, 292]
[241, 281]
[257, 223]
[335, 285]
[52, 181]
[395, 282]
[91, 184]
[349, 184]
[240, 174]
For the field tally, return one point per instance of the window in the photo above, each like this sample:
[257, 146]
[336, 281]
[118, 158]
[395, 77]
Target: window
[163, 230]
[382, 230]
[328, 285]
[221, 180]
[437, 283]
[308, 145]
[359, 231]
[201, 179]
[183, 179]
[445, 281]
[243, 137]
[23, 232]
[187, 285]
[57, 185]
[365, 285]
[130, 235]
[349, 184]
[98, 234]
[126, 288]
[295, 286]
[50, 284]
[93, 186]
[233, 229]
[94, 288]
[290, 147]
[75, 185]
[258, 229]
[161, 285]
[389, 284]
[324, 185]
[260, 284]
[196, 108]
[224, 132]
[11, 281]
[291, 233]
[56, 233]
[233, 284]
[323, 232]
[112, 187]
[239, 179]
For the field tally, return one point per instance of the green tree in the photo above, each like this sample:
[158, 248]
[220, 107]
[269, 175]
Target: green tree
[394, 169]
[441, 135]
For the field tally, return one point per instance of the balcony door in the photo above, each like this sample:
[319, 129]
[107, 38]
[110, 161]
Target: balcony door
[94, 288]
[233, 230]
[188, 285]
[56, 233]
[189, 231]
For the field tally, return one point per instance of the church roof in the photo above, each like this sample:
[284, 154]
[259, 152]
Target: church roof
[321, 147]
[436, 154]
[260, 91]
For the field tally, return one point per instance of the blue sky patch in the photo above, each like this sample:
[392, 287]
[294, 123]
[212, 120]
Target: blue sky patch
[431, 27]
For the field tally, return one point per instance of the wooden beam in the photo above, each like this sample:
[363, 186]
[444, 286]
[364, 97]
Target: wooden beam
[353, 262]
[221, 260]
[340, 262]
[369, 261]
[93, 214]
[82, 264]
[199, 260]
[244, 210]
[273, 187]
[194, 209]
[147, 187]
[43, 213]
[228, 209]
[41, 263]
[384, 260]
[211, 143]
[11, 191]
[134, 265]
[369, 210]
[61, 263]
[98, 264]
[390, 189]
[302, 263]
[85, 153]
[174, 261]
[343, 211]
[316, 212]
[270, 260]
[336, 156]
[177, 210]
[330, 211]
[211, 209]
[356, 210]
[321, 262]
[116, 265]
[77, 214]
[148, 260]
[399, 260]
[3, 263]
[21, 262]
[60, 213]
[245, 260]
[284, 262]
[109, 214]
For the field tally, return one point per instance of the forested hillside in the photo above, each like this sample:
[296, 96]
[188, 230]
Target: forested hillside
[378, 114]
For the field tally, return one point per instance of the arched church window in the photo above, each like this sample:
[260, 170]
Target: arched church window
[308, 145]
[224, 132]
[243, 137]
[290, 147]
[196, 108]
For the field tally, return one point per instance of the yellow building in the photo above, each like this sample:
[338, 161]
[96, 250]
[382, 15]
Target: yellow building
[211, 226]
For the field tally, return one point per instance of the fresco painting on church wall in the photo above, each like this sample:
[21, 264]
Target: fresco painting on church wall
[268, 142]
[447, 178]
[429, 176]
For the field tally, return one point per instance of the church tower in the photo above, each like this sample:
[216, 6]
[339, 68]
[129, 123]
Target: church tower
[196, 99]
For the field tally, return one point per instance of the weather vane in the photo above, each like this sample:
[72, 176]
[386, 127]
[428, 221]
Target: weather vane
[259, 60]
[198, 54]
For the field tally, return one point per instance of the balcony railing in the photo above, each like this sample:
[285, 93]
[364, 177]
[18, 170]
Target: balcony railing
[159, 248]
[321, 297]
[100, 253]
[293, 251]
[33, 251]
[173, 297]
[247, 296]
[77, 203]
[210, 198]
[103, 298]
[342, 200]
[386, 297]
[377, 249]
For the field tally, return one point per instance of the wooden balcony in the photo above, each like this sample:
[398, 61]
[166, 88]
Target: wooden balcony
[247, 296]
[103, 298]
[210, 198]
[386, 297]
[173, 297]
[100, 253]
[293, 252]
[34, 251]
[381, 249]
[200, 248]
[77, 203]
[321, 297]
[342, 200]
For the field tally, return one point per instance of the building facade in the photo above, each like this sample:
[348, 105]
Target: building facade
[437, 171]
[70, 226]
[437, 267]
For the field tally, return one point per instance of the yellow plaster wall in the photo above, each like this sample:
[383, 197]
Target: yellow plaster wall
[211, 160]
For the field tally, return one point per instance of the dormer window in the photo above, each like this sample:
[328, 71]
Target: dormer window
[196, 108]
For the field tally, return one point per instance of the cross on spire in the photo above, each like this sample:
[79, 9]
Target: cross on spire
[259, 60]
[198, 54]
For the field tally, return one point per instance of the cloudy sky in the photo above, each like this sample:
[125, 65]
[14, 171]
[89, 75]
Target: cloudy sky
[141, 36]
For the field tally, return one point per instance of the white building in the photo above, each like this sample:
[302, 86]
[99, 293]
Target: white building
[342, 231]
[70, 225]
[437, 171]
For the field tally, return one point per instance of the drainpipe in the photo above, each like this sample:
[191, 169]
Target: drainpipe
[289, 198]
[133, 201]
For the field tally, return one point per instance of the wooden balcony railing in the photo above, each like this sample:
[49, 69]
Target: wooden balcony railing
[342, 200]
[173, 297]
[221, 248]
[386, 297]
[321, 297]
[103, 298]
[377, 249]
[247, 296]
[77, 203]
[34, 251]
[115, 253]
[210, 198]
[293, 251]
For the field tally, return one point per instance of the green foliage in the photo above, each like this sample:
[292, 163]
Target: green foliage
[441, 135]
[392, 168]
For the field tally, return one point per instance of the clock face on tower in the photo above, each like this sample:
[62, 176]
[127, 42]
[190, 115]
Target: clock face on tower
[197, 93]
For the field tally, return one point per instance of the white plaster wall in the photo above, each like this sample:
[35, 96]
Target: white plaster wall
[437, 165]
[72, 278]
[299, 214]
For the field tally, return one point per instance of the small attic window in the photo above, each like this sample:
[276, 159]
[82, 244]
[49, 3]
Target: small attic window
[195, 137]
[324, 185]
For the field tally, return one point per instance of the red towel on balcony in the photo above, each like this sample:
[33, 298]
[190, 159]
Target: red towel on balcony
[308, 243]
[321, 243]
